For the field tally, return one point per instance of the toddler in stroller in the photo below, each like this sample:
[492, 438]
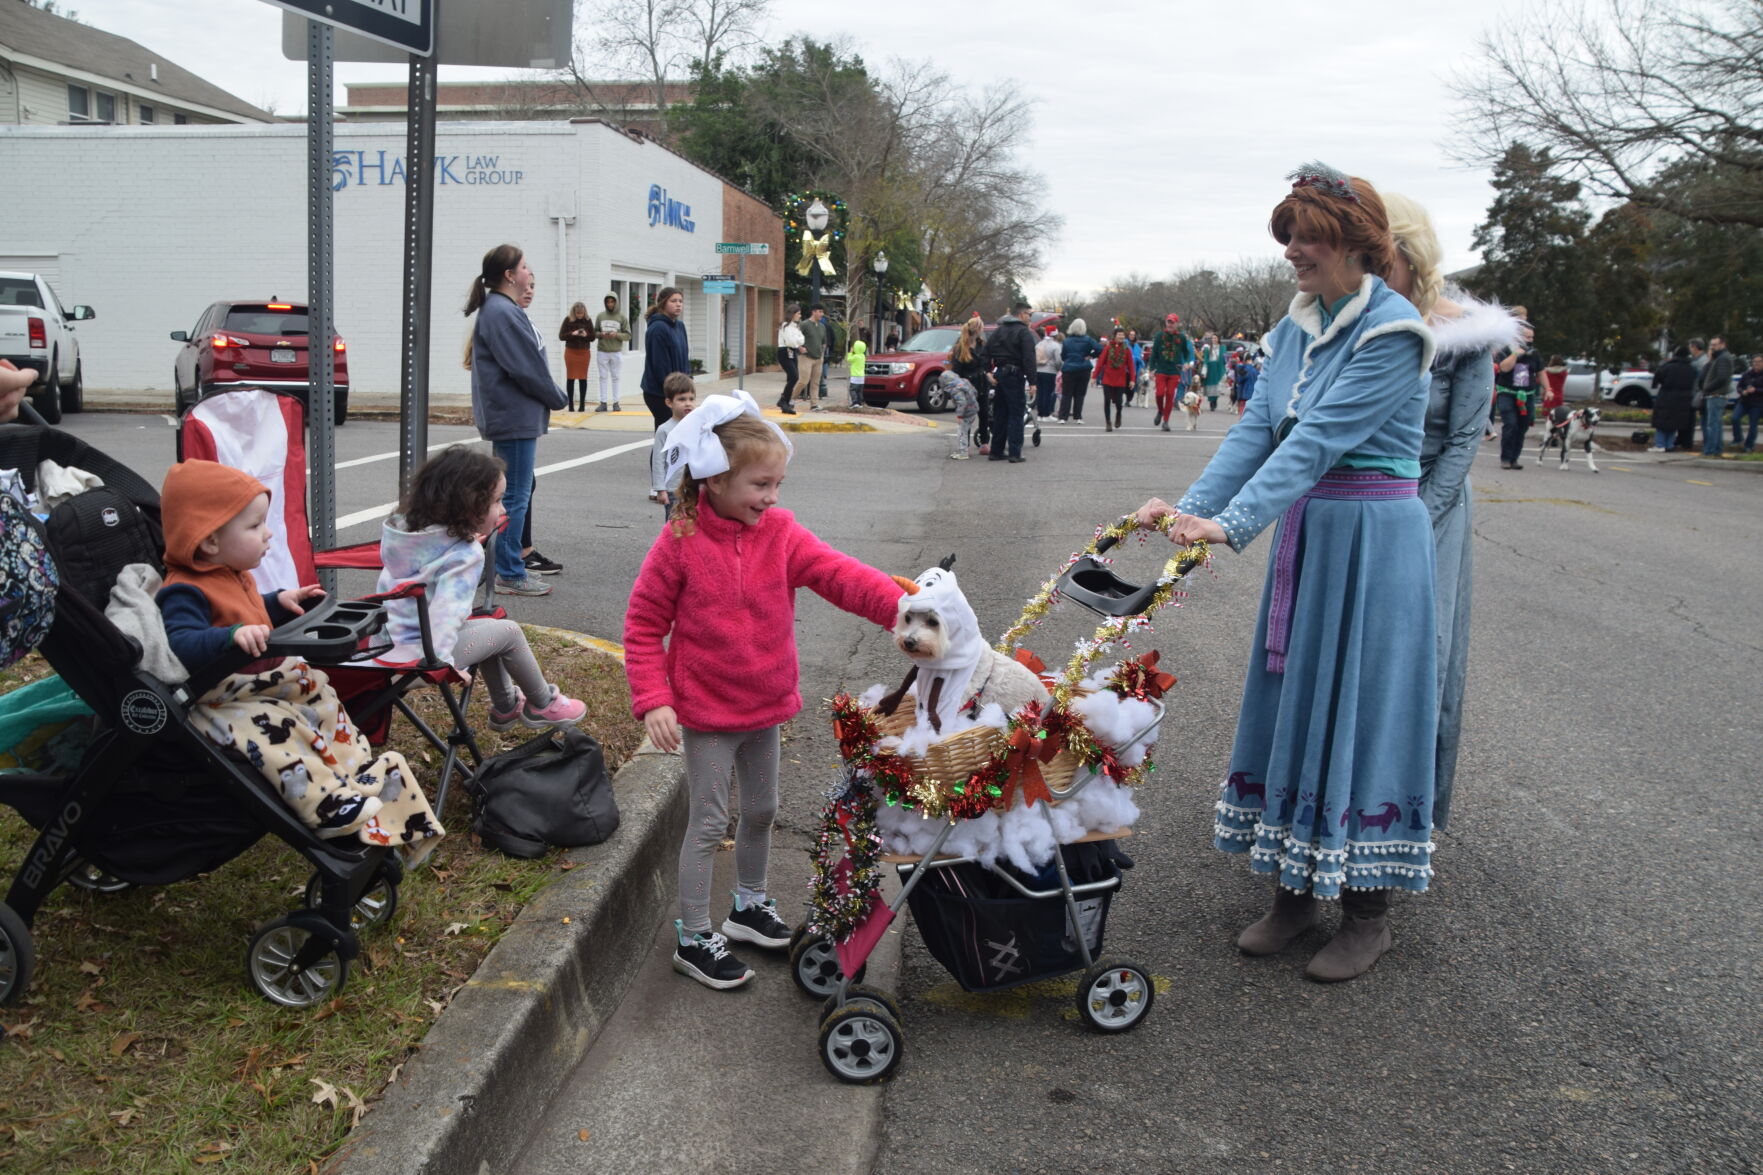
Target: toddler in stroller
[153, 800]
[283, 717]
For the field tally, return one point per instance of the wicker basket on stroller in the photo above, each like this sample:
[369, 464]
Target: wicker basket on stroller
[961, 754]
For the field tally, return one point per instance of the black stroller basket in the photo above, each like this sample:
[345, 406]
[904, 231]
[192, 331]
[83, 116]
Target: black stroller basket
[994, 929]
[153, 801]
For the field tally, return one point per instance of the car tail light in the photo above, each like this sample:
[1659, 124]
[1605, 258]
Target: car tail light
[39, 336]
[278, 306]
[337, 345]
[222, 342]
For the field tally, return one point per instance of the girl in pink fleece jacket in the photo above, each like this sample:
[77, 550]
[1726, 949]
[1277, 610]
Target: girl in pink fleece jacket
[719, 586]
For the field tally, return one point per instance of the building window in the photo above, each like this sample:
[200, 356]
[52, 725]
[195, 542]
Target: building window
[178, 120]
[104, 106]
[146, 115]
[79, 104]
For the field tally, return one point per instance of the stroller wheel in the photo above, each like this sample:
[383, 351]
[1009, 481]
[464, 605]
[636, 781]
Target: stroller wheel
[92, 879]
[859, 992]
[374, 907]
[279, 978]
[18, 955]
[1037, 436]
[1114, 995]
[814, 965]
[861, 1044]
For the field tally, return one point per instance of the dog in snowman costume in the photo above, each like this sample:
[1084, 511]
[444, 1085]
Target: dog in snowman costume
[955, 673]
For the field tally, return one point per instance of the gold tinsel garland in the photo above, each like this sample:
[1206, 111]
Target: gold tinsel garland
[1115, 627]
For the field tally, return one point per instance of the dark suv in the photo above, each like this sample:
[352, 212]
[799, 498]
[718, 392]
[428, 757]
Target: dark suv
[250, 344]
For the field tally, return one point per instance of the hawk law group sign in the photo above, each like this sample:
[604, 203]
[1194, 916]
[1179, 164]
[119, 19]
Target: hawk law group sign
[405, 24]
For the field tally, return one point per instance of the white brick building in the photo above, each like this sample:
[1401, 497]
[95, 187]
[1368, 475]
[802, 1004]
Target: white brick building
[149, 227]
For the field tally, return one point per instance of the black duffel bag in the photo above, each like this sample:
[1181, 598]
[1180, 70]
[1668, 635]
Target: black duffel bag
[551, 790]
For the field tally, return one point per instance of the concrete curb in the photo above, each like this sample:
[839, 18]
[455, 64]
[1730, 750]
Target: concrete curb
[483, 1076]
[1735, 466]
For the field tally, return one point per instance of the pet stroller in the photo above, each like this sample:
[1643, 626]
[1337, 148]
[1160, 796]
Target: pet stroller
[152, 801]
[992, 926]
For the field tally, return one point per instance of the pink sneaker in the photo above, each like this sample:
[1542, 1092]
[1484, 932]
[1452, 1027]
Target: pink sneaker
[561, 711]
[501, 720]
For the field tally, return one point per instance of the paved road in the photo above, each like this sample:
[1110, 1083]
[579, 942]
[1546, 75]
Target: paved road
[1577, 994]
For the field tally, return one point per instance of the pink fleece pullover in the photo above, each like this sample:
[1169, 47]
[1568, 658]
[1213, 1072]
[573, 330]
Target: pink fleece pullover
[728, 595]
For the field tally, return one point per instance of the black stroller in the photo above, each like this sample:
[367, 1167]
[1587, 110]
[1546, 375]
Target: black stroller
[153, 801]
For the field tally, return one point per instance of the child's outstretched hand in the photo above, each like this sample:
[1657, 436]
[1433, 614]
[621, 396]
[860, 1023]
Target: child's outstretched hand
[292, 598]
[252, 638]
[663, 727]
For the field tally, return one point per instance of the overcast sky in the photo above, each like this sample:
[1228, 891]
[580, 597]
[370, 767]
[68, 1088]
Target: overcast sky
[1162, 128]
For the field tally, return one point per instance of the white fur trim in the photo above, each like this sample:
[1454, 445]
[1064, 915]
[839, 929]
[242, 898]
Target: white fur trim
[1306, 311]
[1413, 325]
[1483, 326]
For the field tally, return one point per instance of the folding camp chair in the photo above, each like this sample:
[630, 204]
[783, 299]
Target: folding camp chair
[263, 433]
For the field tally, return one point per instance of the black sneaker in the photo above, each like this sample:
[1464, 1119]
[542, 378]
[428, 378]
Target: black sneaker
[539, 565]
[757, 924]
[706, 959]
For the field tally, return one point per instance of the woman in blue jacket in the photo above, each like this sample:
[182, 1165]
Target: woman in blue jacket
[664, 350]
[1074, 370]
[512, 397]
[1330, 781]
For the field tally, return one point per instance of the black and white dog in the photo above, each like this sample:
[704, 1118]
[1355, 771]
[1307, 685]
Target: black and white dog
[1571, 430]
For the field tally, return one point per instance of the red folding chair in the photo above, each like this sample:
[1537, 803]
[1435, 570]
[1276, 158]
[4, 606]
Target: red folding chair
[263, 433]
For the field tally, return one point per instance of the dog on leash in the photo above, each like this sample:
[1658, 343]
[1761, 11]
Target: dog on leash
[956, 672]
[1571, 430]
[1190, 405]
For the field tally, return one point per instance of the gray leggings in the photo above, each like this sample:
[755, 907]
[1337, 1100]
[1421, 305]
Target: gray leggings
[500, 648]
[713, 761]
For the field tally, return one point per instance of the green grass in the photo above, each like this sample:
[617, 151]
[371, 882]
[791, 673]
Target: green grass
[141, 1047]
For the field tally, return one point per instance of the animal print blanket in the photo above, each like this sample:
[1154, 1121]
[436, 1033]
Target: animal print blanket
[286, 720]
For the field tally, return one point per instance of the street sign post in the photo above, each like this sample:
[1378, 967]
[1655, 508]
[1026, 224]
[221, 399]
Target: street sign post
[408, 25]
[719, 283]
[742, 250]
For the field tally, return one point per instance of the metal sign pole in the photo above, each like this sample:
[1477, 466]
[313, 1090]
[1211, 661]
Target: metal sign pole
[741, 297]
[321, 403]
[419, 227]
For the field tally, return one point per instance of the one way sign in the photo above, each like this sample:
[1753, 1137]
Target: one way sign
[405, 24]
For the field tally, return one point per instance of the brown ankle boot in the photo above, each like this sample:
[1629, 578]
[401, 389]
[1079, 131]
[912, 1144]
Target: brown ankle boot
[1363, 937]
[1107, 423]
[1292, 915]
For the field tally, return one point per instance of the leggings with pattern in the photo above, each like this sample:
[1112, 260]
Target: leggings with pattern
[500, 648]
[714, 760]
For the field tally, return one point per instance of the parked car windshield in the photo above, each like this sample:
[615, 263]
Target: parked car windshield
[260, 320]
[18, 291]
[935, 339]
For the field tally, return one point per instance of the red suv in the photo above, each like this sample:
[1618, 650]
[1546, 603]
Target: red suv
[911, 372]
[254, 344]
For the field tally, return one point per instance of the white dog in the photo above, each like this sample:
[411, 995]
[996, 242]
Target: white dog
[955, 670]
[1571, 430]
[1190, 405]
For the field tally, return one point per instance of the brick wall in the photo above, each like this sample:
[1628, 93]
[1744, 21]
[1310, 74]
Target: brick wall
[747, 218]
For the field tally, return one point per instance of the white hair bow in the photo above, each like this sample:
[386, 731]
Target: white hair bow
[694, 442]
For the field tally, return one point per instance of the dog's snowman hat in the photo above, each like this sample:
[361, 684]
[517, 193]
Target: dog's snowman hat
[938, 592]
[694, 442]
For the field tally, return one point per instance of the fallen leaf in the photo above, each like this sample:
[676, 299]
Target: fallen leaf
[436, 1006]
[57, 1054]
[87, 1004]
[204, 1160]
[23, 1028]
[582, 1134]
[567, 866]
[566, 921]
[453, 928]
[326, 1092]
[91, 968]
[121, 1044]
[235, 1022]
[124, 1117]
[329, 1010]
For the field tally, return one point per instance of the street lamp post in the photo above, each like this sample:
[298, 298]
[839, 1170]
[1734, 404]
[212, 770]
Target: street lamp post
[881, 271]
[817, 216]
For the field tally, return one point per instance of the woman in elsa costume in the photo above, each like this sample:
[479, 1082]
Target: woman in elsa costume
[1330, 782]
[1466, 334]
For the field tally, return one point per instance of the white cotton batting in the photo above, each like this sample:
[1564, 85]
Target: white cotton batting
[870, 698]
[1067, 822]
[1027, 838]
[978, 837]
[1104, 806]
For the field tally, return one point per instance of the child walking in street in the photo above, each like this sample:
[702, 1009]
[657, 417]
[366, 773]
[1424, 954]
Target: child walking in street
[681, 397]
[718, 587]
[454, 504]
[856, 358]
[966, 403]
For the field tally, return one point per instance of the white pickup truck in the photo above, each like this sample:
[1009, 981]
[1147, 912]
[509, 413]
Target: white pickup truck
[36, 333]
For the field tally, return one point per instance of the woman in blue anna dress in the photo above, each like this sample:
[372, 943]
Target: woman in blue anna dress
[1330, 783]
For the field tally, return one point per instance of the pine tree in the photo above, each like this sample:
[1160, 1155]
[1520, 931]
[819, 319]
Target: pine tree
[1533, 248]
